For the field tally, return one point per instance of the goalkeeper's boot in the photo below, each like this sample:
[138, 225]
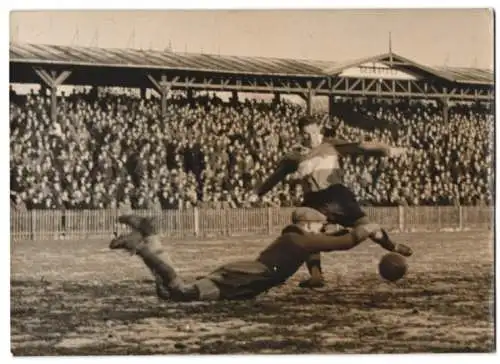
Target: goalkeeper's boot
[161, 291]
[312, 283]
[144, 225]
[129, 242]
[143, 232]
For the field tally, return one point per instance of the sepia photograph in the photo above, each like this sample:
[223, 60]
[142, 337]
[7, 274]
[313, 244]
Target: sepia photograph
[289, 181]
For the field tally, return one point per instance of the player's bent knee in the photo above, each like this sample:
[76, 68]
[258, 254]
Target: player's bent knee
[208, 290]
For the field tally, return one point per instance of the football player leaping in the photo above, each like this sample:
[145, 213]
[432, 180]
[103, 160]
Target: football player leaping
[317, 166]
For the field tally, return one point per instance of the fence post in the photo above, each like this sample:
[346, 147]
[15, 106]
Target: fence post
[269, 220]
[33, 223]
[439, 218]
[227, 225]
[196, 221]
[460, 218]
[401, 215]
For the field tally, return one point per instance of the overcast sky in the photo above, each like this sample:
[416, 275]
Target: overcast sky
[432, 37]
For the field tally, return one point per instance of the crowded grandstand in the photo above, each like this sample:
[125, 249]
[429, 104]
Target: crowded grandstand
[109, 150]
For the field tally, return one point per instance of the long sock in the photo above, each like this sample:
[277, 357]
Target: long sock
[159, 267]
[313, 265]
[177, 289]
[380, 237]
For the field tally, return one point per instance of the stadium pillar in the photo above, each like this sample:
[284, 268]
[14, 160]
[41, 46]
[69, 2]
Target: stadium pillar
[331, 105]
[94, 92]
[143, 92]
[43, 90]
[234, 98]
[310, 95]
[163, 88]
[277, 98]
[307, 97]
[164, 94]
[190, 97]
[445, 105]
[53, 103]
[52, 80]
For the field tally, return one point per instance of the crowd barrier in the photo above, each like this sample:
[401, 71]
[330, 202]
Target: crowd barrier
[205, 223]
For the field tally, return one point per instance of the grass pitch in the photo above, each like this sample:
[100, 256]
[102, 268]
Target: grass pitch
[76, 298]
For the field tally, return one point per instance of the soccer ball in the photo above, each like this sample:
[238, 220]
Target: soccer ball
[392, 267]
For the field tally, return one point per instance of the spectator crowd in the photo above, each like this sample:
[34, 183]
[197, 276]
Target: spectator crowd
[119, 152]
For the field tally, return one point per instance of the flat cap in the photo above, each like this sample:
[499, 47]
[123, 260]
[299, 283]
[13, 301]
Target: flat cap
[307, 214]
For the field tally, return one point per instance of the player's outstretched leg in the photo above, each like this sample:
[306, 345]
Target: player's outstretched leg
[382, 238]
[146, 243]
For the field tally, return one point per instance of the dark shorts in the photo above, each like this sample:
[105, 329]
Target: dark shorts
[242, 280]
[338, 203]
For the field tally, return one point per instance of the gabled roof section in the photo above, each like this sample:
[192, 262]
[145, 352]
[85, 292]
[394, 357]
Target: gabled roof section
[391, 59]
[452, 74]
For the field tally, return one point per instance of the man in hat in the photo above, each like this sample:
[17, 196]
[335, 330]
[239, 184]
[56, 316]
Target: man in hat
[241, 279]
[316, 165]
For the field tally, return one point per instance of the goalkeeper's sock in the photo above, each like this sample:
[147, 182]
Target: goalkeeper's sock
[313, 265]
[159, 267]
[380, 237]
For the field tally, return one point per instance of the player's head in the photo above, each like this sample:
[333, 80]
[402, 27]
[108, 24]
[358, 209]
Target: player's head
[310, 131]
[310, 220]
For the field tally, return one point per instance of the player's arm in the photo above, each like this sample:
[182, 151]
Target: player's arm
[316, 243]
[285, 167]
[366, 148]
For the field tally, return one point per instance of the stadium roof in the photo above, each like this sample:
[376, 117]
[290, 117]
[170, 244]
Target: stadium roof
[154, 59]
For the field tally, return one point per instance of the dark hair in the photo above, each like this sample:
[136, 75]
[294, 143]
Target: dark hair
[305, 121]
